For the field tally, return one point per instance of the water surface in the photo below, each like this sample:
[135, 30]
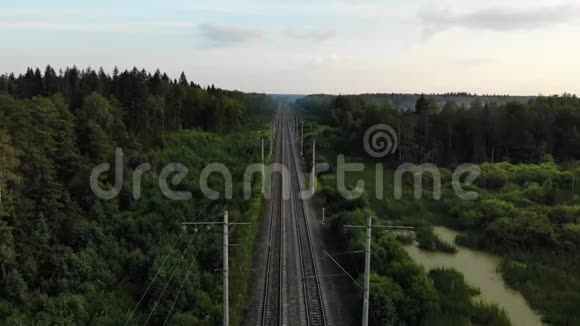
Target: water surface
[480, 270]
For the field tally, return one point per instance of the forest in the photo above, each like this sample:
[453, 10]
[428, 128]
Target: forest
[68, 258]
[445, 135]
[527, 211]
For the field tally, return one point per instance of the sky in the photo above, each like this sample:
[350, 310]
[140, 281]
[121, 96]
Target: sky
[517, 47]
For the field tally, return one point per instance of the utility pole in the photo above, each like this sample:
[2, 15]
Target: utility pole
[225, 268]
[367, 282]
[313, 175]
[226, 265]
[366, 286]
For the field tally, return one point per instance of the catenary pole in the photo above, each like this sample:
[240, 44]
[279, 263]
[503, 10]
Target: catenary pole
[313, 175]
[368, 242]
[226, 264]
[366, 289]
[263, 168]
[225, 268]
[302, 139]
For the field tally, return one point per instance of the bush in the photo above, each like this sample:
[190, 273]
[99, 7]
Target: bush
[429, 241]
[514, 273]
[456, 301]
[564, 214]
[469, 240]
[493, 177]
[489, 314]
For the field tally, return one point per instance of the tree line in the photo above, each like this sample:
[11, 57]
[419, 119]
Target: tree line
[148, 103]
[483, 132]
[68, 258]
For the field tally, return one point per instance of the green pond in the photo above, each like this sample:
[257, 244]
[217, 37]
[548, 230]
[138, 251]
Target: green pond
[480, 270]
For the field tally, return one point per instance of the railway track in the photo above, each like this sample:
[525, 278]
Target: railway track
[273, 300]
[292, 293]
[311, 288]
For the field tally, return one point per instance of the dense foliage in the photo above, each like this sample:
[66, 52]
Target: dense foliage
[402, 292]
[69, 258]
[429, 241]
[149, 104]
[452, 133]
[408, 101]
[529, 213]
[458, 306]
[528, 209]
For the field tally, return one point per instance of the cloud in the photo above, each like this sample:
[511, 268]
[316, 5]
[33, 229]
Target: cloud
[217, 34]
[352, 8]
[325, 60]
[498, 19]
[318, 35]
[93, 27]
[12, 12]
